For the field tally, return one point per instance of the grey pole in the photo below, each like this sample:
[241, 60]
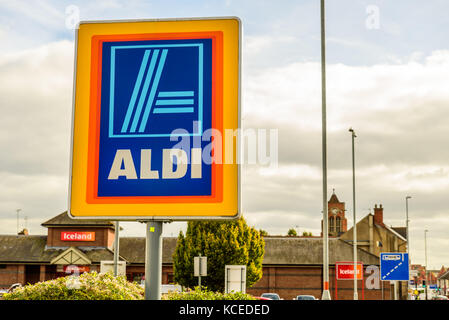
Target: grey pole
[354, 229]
[425, 257]
[153, 260]
[326, 294]
[199, 272]
[408, 241]
[116, 247]
[18, 210]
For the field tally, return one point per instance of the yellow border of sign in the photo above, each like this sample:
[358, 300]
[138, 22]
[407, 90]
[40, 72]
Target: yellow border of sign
[230, 207]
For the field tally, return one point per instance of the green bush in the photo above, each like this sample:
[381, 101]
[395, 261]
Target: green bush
[205, 294]
[88, 286]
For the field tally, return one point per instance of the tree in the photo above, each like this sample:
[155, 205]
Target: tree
[291, 232]
[263, 233]
[224, 243]
[306, 234]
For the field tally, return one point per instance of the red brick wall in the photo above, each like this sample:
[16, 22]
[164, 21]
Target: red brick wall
[10, 274]
[289, 282]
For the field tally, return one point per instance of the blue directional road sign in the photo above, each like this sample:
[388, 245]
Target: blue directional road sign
[394, 267]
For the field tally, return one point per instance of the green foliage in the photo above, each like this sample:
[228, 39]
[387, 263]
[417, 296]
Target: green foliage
[224, 243]
[263, 233]
[205, 294]
[89, 286]
[307, 234]
[292, 232]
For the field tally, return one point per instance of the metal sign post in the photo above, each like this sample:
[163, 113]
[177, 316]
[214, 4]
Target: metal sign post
[116, 248]
[153, 260]
[200, 268]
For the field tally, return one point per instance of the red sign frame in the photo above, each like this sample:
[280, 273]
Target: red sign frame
[349, 268]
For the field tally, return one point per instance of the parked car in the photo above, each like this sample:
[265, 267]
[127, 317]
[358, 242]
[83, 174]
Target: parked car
[2, 292]
[262, 298]
[10, 289]
[272, 296]
[440, 298]
[167, 288]
[305, 297]
[14, 286]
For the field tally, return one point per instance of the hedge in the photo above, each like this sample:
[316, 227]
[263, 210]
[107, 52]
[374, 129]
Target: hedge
[95, 286]
[88, 286]
[205, 294]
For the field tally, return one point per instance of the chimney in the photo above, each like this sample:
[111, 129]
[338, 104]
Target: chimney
[379, 215]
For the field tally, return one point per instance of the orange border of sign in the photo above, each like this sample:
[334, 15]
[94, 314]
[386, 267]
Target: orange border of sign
[95, 111]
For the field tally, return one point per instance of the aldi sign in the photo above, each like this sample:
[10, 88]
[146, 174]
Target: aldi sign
[152, 103]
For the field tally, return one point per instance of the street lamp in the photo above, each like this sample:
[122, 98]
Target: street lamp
[18, 210]
[354, 229]
[407, 234]
[326, 294]
[425, 257]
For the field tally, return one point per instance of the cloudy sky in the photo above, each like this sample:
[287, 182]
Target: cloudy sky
[388, 77]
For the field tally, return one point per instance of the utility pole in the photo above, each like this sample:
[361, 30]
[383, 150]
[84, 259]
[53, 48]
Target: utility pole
[18, 210]
[116, 247]
[354, 229]
[408, 241]
[326, 294]
[425, 257]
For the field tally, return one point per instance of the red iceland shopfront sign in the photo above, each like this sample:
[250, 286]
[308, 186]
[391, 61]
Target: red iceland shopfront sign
[77, 236]
[346, 271]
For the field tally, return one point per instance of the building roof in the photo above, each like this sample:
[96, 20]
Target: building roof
[334, 198]
[401, 230]
[444, 276]
[63, 220]
[278, 251]
[309, 251]
[133, 249]
[393, 232]
[32, 249]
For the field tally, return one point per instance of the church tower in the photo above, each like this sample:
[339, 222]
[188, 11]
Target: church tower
[337, 222]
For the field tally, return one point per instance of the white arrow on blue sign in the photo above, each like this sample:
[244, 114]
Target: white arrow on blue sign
[394, 266]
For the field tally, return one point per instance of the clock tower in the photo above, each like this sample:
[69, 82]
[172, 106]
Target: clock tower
[337, 222]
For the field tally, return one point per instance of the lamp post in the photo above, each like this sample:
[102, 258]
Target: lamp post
[326, 294]
[408, 241]
[425, 257]
[354, 229]
[18, 210]
[116, 247]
